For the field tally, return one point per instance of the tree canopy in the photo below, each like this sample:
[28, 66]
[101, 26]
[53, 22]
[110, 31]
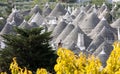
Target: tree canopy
[30, 47]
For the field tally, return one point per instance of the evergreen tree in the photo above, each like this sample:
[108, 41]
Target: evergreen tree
[30, 47]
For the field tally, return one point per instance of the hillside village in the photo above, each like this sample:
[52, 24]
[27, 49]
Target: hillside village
[89, 29]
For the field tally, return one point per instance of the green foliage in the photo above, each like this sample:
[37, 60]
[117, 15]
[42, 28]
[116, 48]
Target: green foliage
[30, 47]
[71, 1]
[5, 8]
[117, 11]
[28, 17]
[97, 2]
[40, 2]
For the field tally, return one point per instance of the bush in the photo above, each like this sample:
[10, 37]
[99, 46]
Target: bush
[30, 47]
[69, 63]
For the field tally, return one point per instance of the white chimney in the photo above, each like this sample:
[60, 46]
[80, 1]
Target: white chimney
[2, 44]
[69, 9]
[80, 41]
[118, 33]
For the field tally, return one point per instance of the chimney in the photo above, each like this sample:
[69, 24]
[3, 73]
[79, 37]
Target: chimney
[118, 34]
[80, 41]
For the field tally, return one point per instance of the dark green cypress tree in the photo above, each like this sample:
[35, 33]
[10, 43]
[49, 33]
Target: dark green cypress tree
[30, 47]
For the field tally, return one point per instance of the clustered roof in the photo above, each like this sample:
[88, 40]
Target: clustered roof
[65, 24]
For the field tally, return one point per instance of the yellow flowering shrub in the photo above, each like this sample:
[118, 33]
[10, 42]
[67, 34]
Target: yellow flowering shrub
[3, 73]
[69, 63]
[41, 71]
[15, 69]
[93, 65]
[113, 62]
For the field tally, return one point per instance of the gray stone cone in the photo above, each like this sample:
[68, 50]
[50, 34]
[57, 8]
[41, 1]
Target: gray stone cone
[106, 46]
[107, 34]
[76, 12]
[24, 24]
[35, 10]
[73, 36]
[81, 16]
[116, 24]
[12, 14]
[92, 9]
[65, 32]
[102, 8]
[33, 25]
[95, 44]
[68, 17]
[58, 11]
[98, 28]
[8, 29]
[58, 29]
[103, 57]
[52, 27]
[89, 23]
[105, 13]
[15, 16]
[38, 19]
[46, 11]
[87, 7]
[71, 46]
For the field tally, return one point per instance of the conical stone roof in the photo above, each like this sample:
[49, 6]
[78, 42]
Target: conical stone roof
[76, 12]
[105, 14]
[71, 46]
[107, 34]
[73, 36]
[33, 15]
[106, 46]
[116, 24]
[89, 23]
[102, 8]
[52, 27]
[35, 10]
[24, 24]
[25, 12]
[98, 28]
[38, 19]
[18, 19]
[16, 16]
[33, 25]
[79, 18]
[95, 44]
[87, 40]
[58, 29]
[58, 11]
[68, 17]
[65, 32]
[113, 11]
[92, 9]
[46, 11]
[82, 8]
[11, 16]
[103, 57]
[87, 7]
[8, 28]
